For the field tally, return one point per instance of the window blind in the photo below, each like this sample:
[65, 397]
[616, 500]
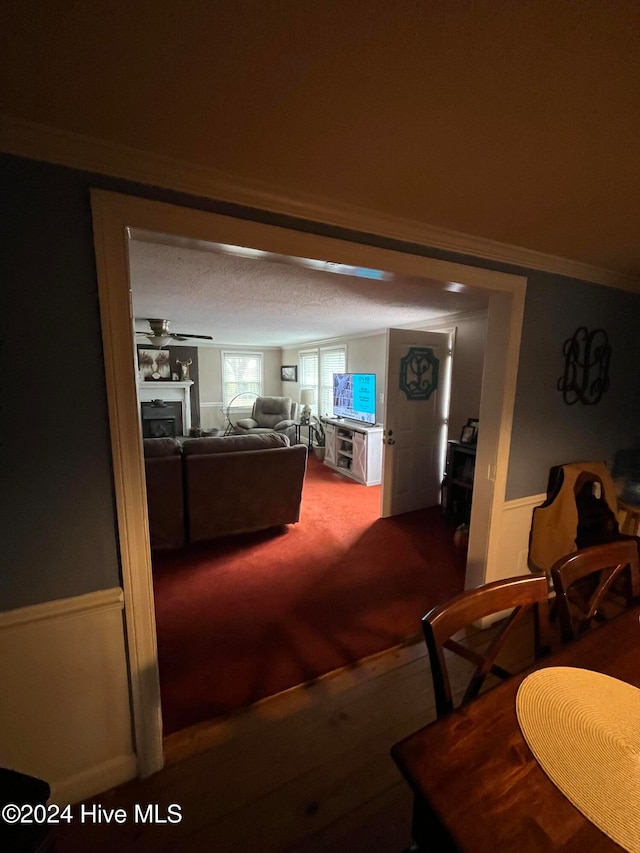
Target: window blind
[332, 360]
[241, 371]
[309, 374]
[316, 372]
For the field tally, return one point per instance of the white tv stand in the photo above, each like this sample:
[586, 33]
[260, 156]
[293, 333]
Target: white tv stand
[354, 450]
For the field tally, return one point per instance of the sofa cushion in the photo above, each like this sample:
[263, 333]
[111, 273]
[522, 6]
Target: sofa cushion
[247, 423]
[234, 443]
[155, 447]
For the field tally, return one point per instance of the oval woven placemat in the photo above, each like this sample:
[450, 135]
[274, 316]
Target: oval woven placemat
[584, 730]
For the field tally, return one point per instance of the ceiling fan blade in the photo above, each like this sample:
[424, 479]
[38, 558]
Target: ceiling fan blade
[183, 336]
[159, 332]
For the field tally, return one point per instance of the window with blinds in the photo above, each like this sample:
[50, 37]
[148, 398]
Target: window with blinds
[308, 375]
[241, 372]
[316, 372]
[332, 360]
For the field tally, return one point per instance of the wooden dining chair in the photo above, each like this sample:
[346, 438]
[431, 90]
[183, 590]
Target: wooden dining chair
[511, 598]
[518, 595]
[586, 581]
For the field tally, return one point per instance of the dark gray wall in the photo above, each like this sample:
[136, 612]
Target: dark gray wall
[547, 431]
[57, 505]
[58, 528]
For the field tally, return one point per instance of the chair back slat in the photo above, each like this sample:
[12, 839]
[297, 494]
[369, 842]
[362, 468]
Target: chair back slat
[519, 595]
[584, 580]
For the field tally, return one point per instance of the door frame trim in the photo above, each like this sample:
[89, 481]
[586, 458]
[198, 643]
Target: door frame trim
[113, 214]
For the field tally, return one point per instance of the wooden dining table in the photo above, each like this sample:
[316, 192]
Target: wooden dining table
[477, 781]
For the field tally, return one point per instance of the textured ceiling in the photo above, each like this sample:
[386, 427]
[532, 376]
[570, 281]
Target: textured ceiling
[514, 121]
[276, 302]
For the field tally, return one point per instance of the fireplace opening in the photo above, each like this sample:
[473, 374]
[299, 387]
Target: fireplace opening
[161, 421]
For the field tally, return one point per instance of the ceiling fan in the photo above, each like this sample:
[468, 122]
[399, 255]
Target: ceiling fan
[160, 335]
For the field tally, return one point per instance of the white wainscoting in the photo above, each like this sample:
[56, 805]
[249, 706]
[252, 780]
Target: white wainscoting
[65, 711]
[514, 536]
[212, 416]
[515, 526]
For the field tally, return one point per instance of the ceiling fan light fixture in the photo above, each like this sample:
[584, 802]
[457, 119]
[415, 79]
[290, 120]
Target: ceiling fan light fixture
[159, 340]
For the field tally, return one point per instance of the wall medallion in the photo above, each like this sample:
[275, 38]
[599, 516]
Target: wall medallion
[419, 373]
[586, 367]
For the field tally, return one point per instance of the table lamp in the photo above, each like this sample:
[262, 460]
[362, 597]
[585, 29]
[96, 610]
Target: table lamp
[307, 399]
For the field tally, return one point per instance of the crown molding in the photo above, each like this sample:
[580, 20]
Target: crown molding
[41, 142]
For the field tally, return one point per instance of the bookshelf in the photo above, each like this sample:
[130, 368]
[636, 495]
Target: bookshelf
[457, 485]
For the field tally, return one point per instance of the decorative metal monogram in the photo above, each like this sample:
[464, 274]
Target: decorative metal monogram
[586, 367]
[419, 373]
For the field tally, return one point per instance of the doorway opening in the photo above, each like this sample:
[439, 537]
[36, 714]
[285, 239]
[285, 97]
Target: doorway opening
[113, 216]
[361, 585]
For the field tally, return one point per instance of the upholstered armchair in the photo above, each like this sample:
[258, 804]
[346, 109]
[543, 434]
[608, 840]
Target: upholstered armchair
[270, 414]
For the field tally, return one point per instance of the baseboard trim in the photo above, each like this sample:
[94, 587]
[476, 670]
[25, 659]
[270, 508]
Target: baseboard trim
[42, 142]
[95, 780]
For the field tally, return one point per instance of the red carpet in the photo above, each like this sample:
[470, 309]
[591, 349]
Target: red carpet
[248, 616]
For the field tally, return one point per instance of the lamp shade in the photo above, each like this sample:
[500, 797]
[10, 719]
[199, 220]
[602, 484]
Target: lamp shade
[307, 396]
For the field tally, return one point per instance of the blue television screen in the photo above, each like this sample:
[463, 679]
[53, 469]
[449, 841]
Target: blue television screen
[354, 396]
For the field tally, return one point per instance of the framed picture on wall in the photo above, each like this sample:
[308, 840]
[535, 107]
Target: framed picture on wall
[289, 373]
[154, 365]
[468, 435]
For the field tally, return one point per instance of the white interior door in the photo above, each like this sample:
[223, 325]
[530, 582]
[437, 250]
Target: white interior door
[415, 421]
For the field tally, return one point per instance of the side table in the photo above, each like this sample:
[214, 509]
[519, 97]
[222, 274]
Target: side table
[311, 430]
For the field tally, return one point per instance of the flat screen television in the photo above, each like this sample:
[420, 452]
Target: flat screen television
[354, 397]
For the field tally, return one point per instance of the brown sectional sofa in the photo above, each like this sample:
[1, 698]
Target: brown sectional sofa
[165, 492]
[229, 484]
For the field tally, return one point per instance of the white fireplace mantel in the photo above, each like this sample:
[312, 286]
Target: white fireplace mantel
[169, 392]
